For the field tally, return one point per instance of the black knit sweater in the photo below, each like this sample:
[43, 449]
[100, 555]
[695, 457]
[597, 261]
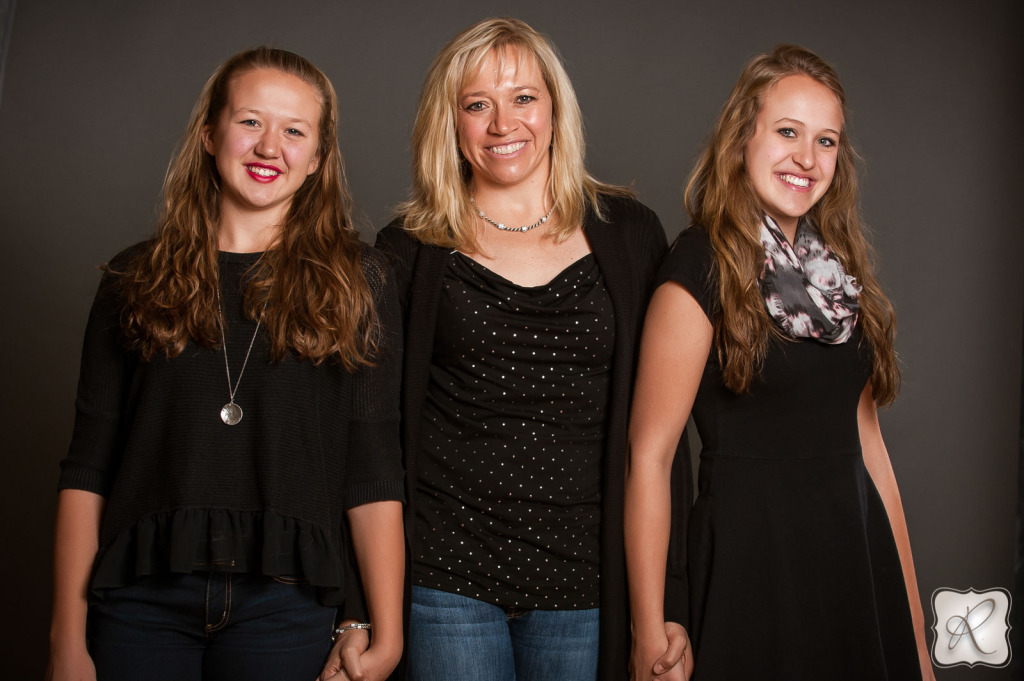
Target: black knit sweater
[187, 492]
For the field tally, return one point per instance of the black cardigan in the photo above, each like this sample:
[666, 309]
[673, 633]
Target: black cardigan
[628, 246]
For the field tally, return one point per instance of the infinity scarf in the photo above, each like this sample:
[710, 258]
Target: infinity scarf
[805, 288]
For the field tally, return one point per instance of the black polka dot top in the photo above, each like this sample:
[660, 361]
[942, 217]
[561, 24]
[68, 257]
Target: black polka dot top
[513, 433]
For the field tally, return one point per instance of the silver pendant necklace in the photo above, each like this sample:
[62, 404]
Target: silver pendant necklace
[503, 228]
[231, 413]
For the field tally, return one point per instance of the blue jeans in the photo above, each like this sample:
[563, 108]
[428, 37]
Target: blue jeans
[456, 638]
[214, 626]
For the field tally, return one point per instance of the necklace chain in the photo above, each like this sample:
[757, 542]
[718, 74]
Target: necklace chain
[502, 227]
[231, 413]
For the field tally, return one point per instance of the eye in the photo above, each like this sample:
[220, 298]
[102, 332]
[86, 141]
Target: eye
[525, 99]
[475, 106]
[295, 132]
[786, 132]
[827, 142]
[249, 122]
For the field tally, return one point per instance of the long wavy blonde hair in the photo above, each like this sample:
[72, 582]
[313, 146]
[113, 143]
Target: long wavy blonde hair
[721, 198]
[318, 303]
[439, 211]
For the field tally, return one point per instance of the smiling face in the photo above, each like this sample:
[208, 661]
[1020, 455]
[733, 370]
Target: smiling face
[504, 121]
[791, 158]
[264, 143]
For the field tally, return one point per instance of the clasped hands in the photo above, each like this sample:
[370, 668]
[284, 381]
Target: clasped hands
[671, 662]
[352, 658]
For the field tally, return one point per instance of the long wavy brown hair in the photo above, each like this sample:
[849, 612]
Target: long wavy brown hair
[439, 211]
[721, 198]
[318, 302]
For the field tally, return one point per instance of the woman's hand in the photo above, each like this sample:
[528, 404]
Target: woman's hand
[70, 664]
[678, 654]
[667, 659]
[343, 660]
[354, 658]
[376, 663]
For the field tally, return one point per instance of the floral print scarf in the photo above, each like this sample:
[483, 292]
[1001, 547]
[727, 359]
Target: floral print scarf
[805, 288]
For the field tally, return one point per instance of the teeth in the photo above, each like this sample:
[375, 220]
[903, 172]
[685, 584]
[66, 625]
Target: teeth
[798, 181]
[508, 148]
[263, 172]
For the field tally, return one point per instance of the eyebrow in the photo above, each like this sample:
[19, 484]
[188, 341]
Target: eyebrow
[483, 93]
[243, 110]
[784, 119]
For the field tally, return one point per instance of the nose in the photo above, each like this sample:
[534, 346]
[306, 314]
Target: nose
[803, 155]
[267, 146]
[503, 121]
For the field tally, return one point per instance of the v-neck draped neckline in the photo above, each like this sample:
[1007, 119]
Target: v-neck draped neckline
[561, 276]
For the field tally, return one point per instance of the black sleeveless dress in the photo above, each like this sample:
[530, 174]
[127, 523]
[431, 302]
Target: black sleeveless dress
[793, 569]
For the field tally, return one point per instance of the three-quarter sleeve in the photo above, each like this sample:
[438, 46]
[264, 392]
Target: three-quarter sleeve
[103, 386]
[374, 461]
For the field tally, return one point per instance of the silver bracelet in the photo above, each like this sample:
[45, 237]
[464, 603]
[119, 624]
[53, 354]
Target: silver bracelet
[349, 627]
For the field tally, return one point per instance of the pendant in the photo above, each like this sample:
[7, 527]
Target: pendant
[231, 414]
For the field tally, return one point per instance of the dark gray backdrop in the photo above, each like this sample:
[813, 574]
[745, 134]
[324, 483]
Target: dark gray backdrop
[96, 94]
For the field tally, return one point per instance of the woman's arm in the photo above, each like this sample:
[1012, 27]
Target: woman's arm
[374, 482]
[76, 543]
[379, 544]
[674, 349]
[876, 460]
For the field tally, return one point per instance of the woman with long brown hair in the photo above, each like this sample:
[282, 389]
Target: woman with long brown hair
[523, 280]
[237, 407]
[771, 326]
